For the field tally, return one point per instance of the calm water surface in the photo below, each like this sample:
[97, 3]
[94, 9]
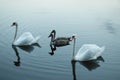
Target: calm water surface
[93, 21]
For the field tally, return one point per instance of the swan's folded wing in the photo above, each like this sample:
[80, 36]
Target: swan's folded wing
[35, 40]
[24, 39]
[89, 52]
[83, 49]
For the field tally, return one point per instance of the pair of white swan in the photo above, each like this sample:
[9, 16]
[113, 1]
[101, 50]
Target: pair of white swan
[26, 39]
[85, 53]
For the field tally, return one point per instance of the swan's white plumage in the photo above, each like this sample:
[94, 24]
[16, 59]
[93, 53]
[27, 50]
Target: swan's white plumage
[26, 39]
[89, 52]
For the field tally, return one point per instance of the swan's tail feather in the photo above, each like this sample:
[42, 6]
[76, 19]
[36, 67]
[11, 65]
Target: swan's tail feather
[36, 40]
[102, 48]
[101, 51]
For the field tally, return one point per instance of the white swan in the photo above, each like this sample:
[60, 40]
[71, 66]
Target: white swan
[26, 39]
[87, 52]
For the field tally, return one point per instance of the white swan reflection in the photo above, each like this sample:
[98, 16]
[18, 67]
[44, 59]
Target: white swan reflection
[90, 65]
[18, 62]
[24, 48]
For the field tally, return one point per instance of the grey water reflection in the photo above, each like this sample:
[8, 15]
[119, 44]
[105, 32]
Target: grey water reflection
[52, 50]
[110, 27]
[29, 48]
[90, 65]
[18, 62]
[25, 48]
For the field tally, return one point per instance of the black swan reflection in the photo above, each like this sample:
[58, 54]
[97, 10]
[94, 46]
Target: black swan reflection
[90, 65]
[59, 41]
[52, 51]
[26, 39]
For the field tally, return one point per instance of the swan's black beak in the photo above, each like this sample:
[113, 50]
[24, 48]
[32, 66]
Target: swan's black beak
[12, 25]
[50, 35]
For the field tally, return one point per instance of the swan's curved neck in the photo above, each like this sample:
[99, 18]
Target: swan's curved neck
[52, 37]
[73, 55]
[15, 33]
[54, 34]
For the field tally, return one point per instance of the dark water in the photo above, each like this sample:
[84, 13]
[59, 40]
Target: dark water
[93, 21]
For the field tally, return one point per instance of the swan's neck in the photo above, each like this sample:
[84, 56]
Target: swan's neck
[54, 34]
[15, 33]
[73, 56]
[52, 38]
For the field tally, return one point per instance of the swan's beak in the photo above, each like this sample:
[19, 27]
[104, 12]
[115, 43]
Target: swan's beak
[14, 24]
[11, 25]
[50, 35]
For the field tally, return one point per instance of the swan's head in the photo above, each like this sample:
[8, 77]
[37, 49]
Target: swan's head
[73, 37]
[53, 32]
[14, 24]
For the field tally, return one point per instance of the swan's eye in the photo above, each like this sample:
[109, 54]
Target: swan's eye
[73, 37]
[14, 24]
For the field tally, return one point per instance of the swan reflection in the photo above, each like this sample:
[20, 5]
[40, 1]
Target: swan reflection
[110, 27]
[24, 48]
[52, 51]
[16, 63]
[90, 65]
[29, 48]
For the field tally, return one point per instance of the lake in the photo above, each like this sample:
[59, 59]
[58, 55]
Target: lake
[93, 22]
